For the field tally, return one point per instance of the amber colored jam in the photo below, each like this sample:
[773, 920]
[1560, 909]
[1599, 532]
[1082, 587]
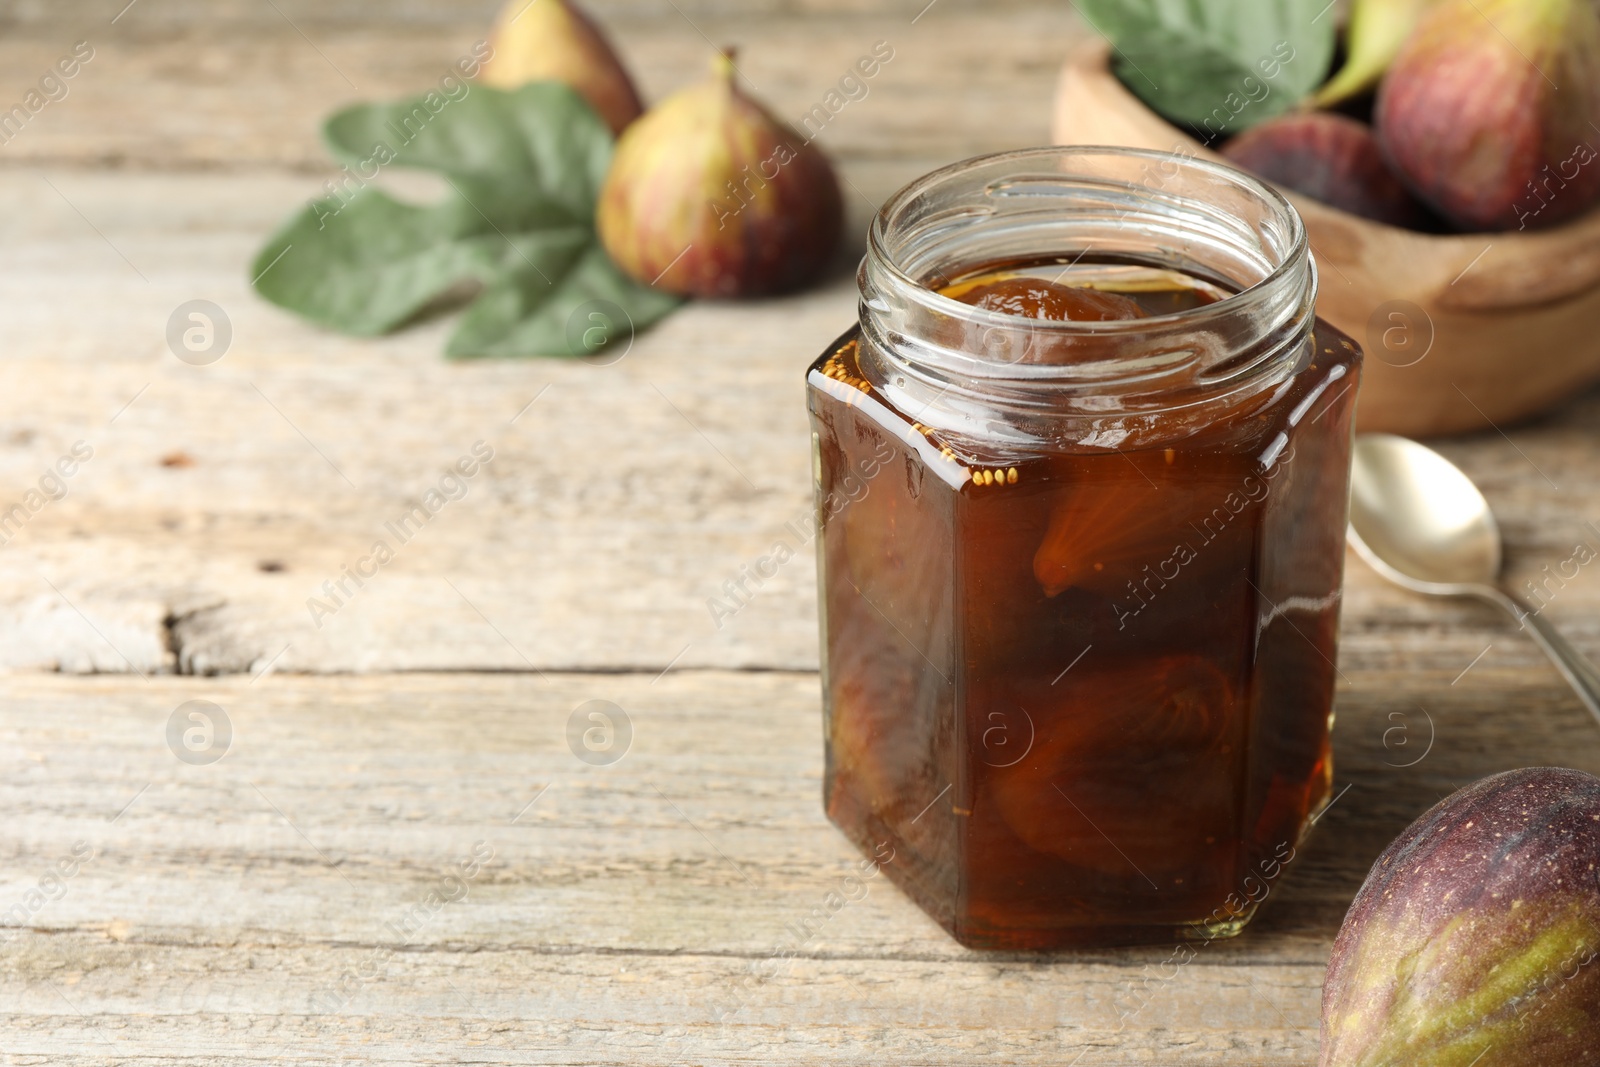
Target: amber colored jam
[1083, 694]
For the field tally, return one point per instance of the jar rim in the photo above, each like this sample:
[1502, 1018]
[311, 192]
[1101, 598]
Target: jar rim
[967, 366]
[1298, 250]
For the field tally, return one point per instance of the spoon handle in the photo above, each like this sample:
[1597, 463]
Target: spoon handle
[1574, 666]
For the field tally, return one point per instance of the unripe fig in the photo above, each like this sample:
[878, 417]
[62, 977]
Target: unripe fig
[709, 195]
[1489, 111]
[1476, 938]
[1377, 31]
[1328, 158]
[552, 40]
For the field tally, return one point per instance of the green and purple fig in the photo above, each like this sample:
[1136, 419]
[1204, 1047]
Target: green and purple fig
[1329, 158]
[1377, 31]
[553, 40]
[1489, 112]
[709, 195]
[1476, 937]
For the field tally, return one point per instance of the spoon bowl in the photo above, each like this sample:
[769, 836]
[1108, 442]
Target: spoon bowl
[1421, 523]
[1417, 519]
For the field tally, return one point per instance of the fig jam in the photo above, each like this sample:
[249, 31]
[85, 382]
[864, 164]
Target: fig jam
[1078, 671]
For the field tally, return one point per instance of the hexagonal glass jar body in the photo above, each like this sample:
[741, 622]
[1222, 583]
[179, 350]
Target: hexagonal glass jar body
[1080, 582]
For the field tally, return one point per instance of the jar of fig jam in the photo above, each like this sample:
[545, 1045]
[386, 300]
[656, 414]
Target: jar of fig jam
[1081, 475]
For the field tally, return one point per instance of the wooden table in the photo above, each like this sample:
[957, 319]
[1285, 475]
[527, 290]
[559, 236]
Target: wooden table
[303, 899]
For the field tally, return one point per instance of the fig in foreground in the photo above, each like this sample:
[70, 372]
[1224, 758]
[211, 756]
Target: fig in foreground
[1476, 937]
[710, 196]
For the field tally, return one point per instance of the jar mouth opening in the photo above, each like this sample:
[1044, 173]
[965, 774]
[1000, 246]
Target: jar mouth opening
[1021, 169]
[1035, 209]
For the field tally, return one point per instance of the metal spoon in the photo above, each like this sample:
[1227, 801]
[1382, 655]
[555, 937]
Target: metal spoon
[1421, 523]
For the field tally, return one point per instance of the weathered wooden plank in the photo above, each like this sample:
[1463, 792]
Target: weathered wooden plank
[630, 913]
[235, 1005]
[172, 87]
[626, 506]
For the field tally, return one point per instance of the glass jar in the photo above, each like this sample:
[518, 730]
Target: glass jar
[1080, 581]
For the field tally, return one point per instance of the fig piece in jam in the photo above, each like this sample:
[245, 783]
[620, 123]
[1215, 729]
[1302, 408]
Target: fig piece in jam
[1035, 298]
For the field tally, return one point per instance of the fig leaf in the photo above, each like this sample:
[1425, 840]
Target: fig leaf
[1222, 66]
[518, 312]
[523, 170]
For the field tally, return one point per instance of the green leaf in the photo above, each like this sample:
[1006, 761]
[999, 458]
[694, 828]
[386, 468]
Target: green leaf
[524, 170]
[538, 150]
[520, 308]
[367, 266]
[1217, 66]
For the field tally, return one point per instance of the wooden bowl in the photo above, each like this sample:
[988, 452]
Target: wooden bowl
[1491, 328]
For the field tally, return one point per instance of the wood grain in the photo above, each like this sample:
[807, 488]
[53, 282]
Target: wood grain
[237, 87]
[631, 912]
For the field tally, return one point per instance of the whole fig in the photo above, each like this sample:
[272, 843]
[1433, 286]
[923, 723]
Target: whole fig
[1475, 938]
[1332, 159]
[552, 40]
[1377, 31]
[1489, 112]
[709, 195]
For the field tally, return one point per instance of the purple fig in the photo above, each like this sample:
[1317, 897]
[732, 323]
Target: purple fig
[1332, 159]
[709, 195]
[552, 40]
[1490, 111]
[1476, 938]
